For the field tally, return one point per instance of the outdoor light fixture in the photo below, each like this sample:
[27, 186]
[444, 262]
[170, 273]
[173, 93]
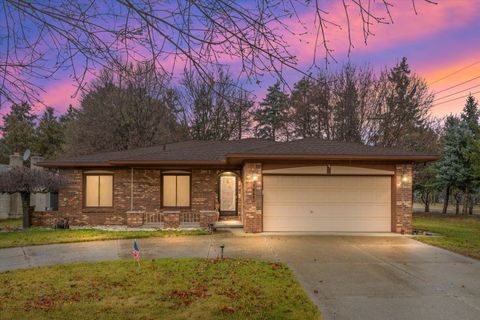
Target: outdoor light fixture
[255, 177]
[404, 178]
[222, 246]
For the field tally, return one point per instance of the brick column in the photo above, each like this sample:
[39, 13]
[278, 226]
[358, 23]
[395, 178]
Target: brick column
[403, 195]
[135, 218]
[252, 197]
[171, 220]
[208, 217]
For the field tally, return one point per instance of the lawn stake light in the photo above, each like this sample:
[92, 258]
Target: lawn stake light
[222, 246]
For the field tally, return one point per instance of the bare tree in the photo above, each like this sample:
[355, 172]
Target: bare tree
[131, 107]
[219, 110]
[27, 181]
[336, 105]
[40, 38]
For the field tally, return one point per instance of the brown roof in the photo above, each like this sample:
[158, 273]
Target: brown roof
[234, 151]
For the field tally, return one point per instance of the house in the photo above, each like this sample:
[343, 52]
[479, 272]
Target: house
[11, 204]
[302, 185]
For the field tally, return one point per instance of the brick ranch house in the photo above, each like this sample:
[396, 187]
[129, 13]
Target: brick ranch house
[302, 185]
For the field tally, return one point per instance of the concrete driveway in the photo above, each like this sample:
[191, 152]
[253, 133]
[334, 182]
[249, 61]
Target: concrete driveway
[347, 276]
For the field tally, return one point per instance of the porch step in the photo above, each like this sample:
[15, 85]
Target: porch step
[188, 225]
[228, 224]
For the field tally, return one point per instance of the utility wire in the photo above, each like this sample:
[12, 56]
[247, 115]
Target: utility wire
[455, 99]
[452, 94]
[455, 72]
[457, 85]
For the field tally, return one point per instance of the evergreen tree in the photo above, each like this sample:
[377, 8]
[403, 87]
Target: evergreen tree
[469, 118]
[18, 131]
[346, 120]
[405, 103]
[50, 135]
[304, 115]
[272, 116]
[452, 168]
[69, 115]
[457, 168]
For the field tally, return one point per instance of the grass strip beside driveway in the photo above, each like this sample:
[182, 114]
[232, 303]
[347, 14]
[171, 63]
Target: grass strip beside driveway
[461, 233]
[37, 236]
[158, 289]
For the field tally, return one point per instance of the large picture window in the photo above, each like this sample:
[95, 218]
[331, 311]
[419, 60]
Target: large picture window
[176, 190]
[99, 190]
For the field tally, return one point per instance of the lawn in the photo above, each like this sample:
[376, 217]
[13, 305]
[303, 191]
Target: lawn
[158, 289]
[437, 208]
[10, 224]
[36, 236]
[461, 233]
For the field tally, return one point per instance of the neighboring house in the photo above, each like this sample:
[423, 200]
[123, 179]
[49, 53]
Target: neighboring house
[303, 185]
[11, 204]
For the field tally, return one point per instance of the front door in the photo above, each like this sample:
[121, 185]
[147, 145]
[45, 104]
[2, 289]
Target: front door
[228, 195]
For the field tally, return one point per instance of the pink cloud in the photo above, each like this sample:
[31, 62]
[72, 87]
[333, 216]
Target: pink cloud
[407, 27]
[446, 82]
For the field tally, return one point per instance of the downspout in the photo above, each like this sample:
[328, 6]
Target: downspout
[131, 190]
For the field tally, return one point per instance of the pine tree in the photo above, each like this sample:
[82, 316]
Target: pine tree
[469, 119]
[346, 120]
[453, 169]
[272, 116]
[405, 104]
[304, 109]
[50, 135]
[18, 130]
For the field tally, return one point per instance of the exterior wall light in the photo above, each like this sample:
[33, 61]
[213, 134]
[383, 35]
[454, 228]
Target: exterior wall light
[255, 177]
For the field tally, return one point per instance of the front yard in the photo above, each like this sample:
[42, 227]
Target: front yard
[36, 236]
[461, 233]
[158, 289]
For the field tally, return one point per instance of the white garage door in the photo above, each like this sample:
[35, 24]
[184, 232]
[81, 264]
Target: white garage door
[327, 203]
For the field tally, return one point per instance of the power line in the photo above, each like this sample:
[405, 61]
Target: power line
[455, 72]
[455, 99]
[452, 94]
[457, 85]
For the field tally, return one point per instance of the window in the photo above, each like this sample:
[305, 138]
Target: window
[99, 191]
[176, 190]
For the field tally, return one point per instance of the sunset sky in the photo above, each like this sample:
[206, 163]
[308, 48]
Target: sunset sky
[442, 44]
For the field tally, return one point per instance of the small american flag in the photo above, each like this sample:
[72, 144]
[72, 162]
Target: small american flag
[136, 252]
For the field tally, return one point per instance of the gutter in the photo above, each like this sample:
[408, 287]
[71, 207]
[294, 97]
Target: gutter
[240, 157]
[414, 158]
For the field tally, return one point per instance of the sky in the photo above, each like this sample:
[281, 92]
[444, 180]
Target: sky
[441, 42]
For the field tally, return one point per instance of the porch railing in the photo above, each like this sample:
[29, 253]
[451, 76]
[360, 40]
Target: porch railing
[156, 218]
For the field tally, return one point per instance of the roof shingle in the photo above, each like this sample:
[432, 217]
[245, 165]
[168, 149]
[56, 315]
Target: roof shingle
[222, 151]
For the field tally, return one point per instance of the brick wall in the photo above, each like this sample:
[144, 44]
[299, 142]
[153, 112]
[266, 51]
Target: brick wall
[45, 218]
[403, 199]
[252, 197]
[146, 198]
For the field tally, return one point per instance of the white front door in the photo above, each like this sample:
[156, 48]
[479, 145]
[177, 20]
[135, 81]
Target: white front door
[228, 195]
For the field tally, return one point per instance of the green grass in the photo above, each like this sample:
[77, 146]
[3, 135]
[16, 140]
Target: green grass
[439, 206]
[37, 236]
[10, 224]
[461, 233]
[159, 289]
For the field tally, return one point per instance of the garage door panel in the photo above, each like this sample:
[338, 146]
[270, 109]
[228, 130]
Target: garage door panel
[327, 211]
[377, 224]
[327, 203]
[322, 197]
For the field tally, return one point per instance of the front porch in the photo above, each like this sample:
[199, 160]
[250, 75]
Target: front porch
[214, 195]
